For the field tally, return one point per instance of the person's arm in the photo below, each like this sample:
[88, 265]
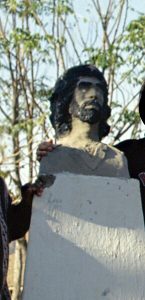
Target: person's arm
[19, 215]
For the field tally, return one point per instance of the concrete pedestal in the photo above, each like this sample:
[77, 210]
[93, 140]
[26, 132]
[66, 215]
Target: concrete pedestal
[86, 241]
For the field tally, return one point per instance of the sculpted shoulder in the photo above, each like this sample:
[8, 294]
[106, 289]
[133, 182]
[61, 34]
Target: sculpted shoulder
[94, 159]
[117, 158]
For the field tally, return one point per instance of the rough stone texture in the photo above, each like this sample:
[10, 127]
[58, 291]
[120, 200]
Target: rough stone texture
[95, 158]
[86, 241]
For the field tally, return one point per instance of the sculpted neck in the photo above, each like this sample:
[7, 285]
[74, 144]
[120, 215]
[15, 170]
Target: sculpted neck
[81, 135]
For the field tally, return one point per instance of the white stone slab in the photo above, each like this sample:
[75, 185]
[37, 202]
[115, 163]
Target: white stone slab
[86, 241]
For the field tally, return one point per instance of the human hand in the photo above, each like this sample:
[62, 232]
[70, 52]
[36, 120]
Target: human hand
[30, 189]
[36, 189]
[44, 148]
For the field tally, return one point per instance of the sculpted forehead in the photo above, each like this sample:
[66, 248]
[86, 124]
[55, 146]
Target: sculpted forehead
[89, 79]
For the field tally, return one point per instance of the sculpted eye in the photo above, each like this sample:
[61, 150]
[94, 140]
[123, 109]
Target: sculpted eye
[92, 97]
[84, 85]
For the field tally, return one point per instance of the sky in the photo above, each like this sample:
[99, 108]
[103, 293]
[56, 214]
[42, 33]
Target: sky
[137, 5]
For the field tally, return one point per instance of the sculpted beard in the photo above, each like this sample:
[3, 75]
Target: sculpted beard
[90, 111]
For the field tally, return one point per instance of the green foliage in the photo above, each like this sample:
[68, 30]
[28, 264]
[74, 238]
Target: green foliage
[107, 58]
[133, 47]
[130, 117]
[22, 7]
[62, 7]
[4, 174]
[29, 41]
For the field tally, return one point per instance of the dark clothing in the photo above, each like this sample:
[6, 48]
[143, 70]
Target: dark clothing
[14, 223]
[134, 151]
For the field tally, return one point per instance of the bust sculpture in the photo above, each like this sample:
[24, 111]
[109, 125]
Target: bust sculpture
[79, 114]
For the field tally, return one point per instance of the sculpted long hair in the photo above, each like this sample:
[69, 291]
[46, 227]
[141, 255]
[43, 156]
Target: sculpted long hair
[62, 95]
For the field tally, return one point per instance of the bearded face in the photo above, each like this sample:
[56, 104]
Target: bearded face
[88, 100]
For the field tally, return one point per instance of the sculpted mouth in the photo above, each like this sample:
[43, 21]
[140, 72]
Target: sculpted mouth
[91, 106]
